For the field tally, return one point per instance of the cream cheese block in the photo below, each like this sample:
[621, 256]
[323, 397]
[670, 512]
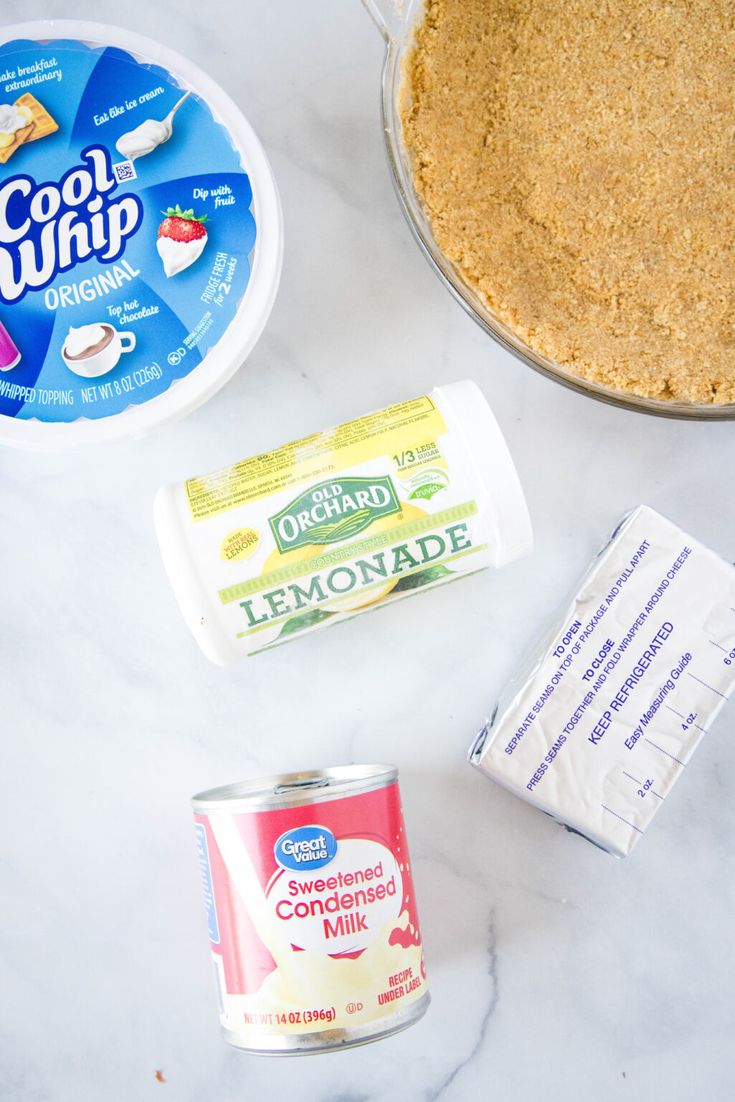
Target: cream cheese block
[624, 690]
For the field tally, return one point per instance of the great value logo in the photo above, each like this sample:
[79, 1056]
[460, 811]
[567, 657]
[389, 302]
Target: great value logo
[50, 227]
[333, 511]
[305, 847]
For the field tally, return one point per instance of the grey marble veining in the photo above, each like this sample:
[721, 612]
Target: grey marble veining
[557, 973]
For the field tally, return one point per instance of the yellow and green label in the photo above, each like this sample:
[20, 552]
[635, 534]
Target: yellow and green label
[338, 522]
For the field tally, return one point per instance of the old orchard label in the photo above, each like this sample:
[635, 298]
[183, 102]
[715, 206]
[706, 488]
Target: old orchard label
[333, 511]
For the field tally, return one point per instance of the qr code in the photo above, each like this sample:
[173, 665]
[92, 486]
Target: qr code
[124, 170]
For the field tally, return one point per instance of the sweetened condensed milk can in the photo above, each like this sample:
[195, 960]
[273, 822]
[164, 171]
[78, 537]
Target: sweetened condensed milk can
[311, 912]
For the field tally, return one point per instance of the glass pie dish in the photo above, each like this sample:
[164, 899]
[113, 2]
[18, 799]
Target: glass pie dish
[396, 20]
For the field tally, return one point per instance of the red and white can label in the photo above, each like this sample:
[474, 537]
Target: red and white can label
[311, 914]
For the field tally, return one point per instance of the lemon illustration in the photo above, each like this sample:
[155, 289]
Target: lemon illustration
[353, 602]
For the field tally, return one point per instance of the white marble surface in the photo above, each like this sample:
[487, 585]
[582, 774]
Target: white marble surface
[557, 972]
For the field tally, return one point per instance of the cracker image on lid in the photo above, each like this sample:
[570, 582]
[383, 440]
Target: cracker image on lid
[22, 122]
[148, 135]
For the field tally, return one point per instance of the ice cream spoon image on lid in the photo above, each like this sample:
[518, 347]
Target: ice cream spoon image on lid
[148, 135]
[134, 285]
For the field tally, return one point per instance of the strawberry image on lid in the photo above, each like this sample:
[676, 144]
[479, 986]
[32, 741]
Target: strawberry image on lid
[181, 239]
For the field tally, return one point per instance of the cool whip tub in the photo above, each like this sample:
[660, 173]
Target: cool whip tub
[403, 499]
[626, 687]
[140, 234]
[311, 913]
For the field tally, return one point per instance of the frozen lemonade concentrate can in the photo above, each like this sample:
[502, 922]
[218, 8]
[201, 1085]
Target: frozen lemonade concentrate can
[341, 522]
[310, 905]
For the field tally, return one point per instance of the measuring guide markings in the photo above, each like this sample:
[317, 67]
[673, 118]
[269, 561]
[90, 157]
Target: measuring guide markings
[617, 704]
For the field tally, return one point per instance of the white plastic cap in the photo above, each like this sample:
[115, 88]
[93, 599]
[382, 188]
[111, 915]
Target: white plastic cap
[466, 407]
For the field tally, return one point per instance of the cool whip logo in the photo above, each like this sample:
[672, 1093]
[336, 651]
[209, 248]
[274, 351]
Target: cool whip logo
[50, 227]
[333, 511]
[305, 847]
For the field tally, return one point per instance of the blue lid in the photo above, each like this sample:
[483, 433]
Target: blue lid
[128, 229]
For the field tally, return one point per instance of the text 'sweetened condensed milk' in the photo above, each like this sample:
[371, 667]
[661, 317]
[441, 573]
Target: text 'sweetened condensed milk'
[295, 539]
[311, 911]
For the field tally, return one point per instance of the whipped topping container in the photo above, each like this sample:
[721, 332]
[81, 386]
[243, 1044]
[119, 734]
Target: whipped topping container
[124, 129]
[311, 911]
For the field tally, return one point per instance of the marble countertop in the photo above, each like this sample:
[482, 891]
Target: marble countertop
[557, 972]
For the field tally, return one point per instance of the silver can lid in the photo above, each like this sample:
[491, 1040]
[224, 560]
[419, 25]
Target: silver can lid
[295, 789]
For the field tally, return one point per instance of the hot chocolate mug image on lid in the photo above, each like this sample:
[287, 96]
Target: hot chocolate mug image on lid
[95, 350]
[141, 235]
